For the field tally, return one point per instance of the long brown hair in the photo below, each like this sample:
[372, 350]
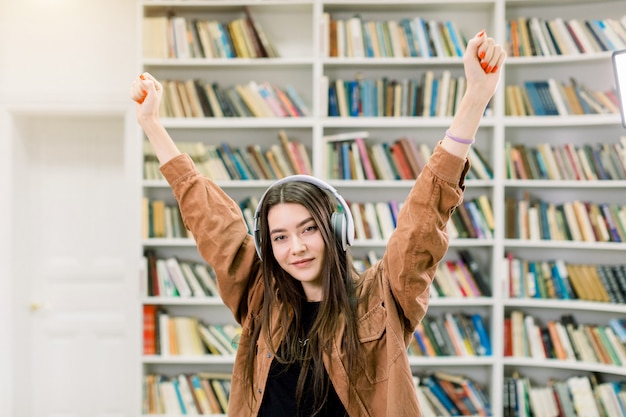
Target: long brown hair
[339, 297]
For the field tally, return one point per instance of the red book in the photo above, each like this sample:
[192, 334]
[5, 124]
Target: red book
[149, 329]
[401, 161]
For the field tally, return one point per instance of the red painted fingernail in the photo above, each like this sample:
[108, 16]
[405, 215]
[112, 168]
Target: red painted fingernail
[488, 69]
[484, 65]
[481, 33]
[482, 55]
[141, 76]
[494, 69]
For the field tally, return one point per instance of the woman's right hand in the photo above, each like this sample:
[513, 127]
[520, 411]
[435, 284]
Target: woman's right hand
[147, 92]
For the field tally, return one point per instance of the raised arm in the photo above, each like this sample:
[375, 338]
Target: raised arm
[482, 61]
[147, 92]
[420, 240]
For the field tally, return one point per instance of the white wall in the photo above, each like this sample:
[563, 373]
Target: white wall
[55, 53]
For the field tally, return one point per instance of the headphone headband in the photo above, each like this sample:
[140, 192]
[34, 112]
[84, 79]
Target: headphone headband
[342, 222]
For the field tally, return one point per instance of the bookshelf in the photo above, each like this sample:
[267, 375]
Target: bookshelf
[298, 30]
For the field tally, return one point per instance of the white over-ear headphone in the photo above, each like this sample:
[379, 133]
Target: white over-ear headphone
[341, 220]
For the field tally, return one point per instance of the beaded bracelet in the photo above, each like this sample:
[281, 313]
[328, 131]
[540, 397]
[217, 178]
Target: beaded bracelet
[459, 140]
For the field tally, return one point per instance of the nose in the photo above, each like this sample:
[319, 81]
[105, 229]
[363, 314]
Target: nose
[297, 244]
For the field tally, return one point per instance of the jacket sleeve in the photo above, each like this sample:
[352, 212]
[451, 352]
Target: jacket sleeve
[420, 239]
[220, 232]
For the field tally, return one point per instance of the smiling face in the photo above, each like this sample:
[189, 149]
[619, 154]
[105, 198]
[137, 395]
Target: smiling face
[298, 246]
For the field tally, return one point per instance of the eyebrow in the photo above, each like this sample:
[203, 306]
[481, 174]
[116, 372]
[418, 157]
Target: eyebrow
[302, 223]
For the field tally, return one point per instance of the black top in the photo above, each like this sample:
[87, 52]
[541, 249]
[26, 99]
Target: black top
[280, 391]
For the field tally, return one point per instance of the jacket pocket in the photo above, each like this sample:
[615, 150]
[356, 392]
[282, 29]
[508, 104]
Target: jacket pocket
[380, 345]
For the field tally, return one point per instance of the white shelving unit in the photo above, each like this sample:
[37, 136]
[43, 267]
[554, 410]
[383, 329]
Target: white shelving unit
[295, 28]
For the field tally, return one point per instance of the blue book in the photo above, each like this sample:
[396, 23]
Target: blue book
[241, 172]
[367, 41]
[410, 37]
[333, 107]
[619, 328]
[297, 100]
[381, 40]
[354, 100]
[346, 161]
[559, 284]
[455, 37]
[436, 389]
[483, 335]
[181, 402]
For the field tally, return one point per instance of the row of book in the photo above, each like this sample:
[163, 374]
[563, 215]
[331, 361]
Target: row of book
[430, 95]
[224, 162]
[356, 37]
[579, 221]
[196, 98]
[565, 339]
[557, 279]
[166, 334]
[161, 220]
[203, 393]
[536, 36]
[600, 161]
[452, 334]
[174, 277]
[178, 37]
[472, 219]
[351, 156]
[444, 394]
[558, 98]
[460, 278]
[570, 397]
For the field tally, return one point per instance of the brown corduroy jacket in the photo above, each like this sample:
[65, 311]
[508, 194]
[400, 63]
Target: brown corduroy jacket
[399, 283]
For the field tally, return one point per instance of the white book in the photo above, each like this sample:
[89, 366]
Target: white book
[446, 282]
[341, 38]
[191, 278]
[443, 95]
[179, 27]
[535, 27]
[325, 35]
[534, 339]
[396, 44]
[618, 347]
[167, 287]
[164, 334]
[582, 396]
[340, 137]
[572, 48]
[177, 276]
[385, 219]
[418, 29]
[356, 33]
[207, 275]
[382, 162]
[324, 83]
[565, 341]
[425, 405]
[435, 36]
[169, 398]
[186, 393]
[557, 96]
[583, 36]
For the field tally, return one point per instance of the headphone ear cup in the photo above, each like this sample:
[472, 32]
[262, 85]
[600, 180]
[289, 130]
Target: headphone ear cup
[338, 221]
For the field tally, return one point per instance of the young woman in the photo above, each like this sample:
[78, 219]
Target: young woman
[319, 339]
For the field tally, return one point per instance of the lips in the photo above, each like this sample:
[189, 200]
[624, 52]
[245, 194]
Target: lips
[302, 262]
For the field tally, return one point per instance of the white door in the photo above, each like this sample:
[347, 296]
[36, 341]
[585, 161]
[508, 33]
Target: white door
[76, 338]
